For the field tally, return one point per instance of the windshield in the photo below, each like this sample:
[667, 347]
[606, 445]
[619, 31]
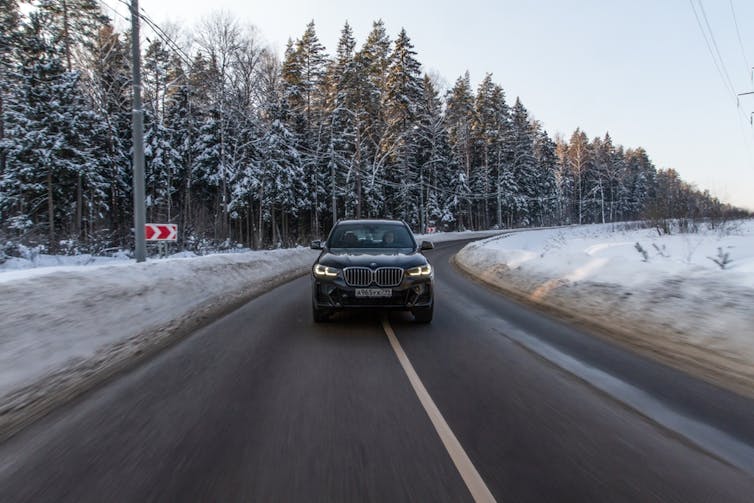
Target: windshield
[378, 235]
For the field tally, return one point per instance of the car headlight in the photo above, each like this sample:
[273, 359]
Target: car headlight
[422, 270]
[323, 271]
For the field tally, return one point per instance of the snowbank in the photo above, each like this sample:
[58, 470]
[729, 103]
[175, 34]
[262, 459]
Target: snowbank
[440, 237]
[66, 327]
[70, 322]
[667, 295]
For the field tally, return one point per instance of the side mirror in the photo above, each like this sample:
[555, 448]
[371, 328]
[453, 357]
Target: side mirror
[427, 245]
[316, 245]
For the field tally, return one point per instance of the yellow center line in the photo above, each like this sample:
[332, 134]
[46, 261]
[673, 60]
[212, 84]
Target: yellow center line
[465, 467]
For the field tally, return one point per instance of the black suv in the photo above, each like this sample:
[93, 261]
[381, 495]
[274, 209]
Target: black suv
[372, 264]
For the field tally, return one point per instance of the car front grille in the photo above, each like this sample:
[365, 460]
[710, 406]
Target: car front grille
[388, 276]
[382, 277]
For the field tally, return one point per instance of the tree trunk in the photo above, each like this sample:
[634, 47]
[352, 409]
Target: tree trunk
[2, 137]
[260, 239]
[77, 227]
[51, 213]
[357, 171]
[252, 223]
[275, 235]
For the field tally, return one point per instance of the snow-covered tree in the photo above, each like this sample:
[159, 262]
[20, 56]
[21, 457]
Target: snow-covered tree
[403, 91]
[55, 137]
[459, 117]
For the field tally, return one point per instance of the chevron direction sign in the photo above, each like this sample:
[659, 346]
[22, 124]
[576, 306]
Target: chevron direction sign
[161, 232]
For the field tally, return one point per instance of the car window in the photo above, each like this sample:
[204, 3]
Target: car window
[371, 236]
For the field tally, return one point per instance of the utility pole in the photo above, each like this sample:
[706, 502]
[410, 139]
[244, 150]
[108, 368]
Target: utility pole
[138, 138]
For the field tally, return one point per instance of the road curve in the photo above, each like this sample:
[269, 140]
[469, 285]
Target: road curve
[264, 405]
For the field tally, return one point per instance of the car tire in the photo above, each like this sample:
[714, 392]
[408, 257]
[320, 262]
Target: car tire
[319, 315]
[423, 315]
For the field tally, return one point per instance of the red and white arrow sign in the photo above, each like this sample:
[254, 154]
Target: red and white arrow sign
[161, 232]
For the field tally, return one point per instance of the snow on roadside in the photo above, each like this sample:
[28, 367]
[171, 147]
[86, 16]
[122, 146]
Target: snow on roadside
[440, 237]
[56, 318]
[667, 288]
[67, 321]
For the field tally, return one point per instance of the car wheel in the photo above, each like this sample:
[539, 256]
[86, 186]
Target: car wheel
[319, 315]
[423, 315]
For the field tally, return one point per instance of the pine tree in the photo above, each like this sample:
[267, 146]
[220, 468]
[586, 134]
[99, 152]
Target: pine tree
[72, 27]
[523, 164]
[110, 95]
[403, 91]
[56, 136]
[304, 79]
[372, 63]
[459, 116]
[181, 127]
[545, 201]
[161, 157]
[343, 116]
[9, 35]
[433, 159]
[220, 39]
[491, 132]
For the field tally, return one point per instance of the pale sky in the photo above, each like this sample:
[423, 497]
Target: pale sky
[639, 69]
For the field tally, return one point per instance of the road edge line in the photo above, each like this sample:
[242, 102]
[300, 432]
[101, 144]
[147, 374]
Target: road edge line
[474, 482]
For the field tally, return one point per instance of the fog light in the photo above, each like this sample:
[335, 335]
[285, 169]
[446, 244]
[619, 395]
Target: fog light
[419, 289]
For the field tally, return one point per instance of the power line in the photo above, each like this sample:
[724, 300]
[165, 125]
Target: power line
[156, 29]
[165, 38]
[115, 11]
[740, 42]
[719, 65]
[721, 70]
[714, 43]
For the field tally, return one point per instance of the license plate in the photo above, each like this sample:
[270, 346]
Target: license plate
[374, 292]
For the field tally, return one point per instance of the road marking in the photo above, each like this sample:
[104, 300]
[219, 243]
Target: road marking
[465, 467]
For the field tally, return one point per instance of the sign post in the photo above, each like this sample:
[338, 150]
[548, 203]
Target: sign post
[163, 234]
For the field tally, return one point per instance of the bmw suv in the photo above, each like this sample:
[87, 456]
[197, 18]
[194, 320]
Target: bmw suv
[372, 264]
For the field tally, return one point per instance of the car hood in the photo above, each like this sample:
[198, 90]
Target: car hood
[371, 258]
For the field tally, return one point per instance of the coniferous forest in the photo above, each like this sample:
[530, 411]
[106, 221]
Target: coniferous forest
[243, 148]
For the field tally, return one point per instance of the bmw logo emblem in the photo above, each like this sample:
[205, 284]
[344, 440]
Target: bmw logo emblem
[373, 265]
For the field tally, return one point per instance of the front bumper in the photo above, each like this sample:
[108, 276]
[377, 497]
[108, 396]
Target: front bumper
[335, 294]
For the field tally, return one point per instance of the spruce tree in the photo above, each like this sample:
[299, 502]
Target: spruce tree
[56, 138]
[524, 164]
[110, 95]
[491, 159]
[433, 159]
[9, 38]
[403, 91]
[544, 202]
[459, 116]
[372, 62]
[343, 116]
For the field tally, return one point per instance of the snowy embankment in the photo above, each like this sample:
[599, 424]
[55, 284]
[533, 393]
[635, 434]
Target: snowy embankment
[70, 322]
[66, 328]
[685, 298]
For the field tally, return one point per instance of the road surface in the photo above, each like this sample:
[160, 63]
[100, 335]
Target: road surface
[265, 405]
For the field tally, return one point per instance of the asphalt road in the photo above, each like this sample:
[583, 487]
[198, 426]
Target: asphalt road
[264, 405]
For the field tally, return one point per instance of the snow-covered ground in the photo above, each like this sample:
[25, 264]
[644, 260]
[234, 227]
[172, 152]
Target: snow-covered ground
[68, 321]
[665, 293]
[439, 237]
[64, 327]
